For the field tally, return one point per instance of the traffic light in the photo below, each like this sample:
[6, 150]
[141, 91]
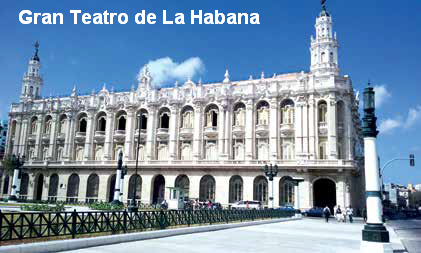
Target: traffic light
[411, 160]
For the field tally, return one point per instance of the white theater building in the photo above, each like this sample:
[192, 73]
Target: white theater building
[211, 140]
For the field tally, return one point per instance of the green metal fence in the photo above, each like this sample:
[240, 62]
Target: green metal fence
[18, 226]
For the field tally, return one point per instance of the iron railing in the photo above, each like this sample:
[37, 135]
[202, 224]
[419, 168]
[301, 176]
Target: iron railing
[30, 225]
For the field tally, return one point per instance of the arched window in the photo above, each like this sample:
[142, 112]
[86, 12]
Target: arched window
[34, 125]
[340, 113]
[288, 151]
[183, 182]
[260, 189]
[239, 151]
[23, 193]
[262, 113]
[101, 122]
[99, 153]
[235, 189]
[323, 57]
[286, 192]
[63, 124]
[135, 179]
[187, 117]
[239, 114]
[6, 185]
[331, 57]
[143, 118]
[121, 121]
[322, 111]
[53, 187]
[262, 149]
[92, 188]
[211, 113]
[164, 118]
[79, 153]
[72, 188]
[207, 188]
[83, 125]
[287, 112]
[211, 152]
[323, 151]
[163, 152]
[47, 126]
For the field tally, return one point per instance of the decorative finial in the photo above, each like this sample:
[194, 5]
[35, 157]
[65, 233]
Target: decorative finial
[369, 82]
[36, 45]
[200, 82]
[251, 77]
[176, 83]
[263, 75]
[226, 76]
[323, 3]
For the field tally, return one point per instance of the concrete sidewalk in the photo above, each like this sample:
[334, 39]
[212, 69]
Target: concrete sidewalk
[307, 235]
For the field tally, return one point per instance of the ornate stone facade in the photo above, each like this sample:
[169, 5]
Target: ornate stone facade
[212, 139]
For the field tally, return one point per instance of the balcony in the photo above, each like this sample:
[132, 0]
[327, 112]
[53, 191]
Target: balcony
[287, 129]
[45, 137]
[322, 129]
[186, 133]
[61, 136]
[262, 130]
[32, 137]
[211, 132]
[119, 135]
[99, 136]
[143, 133]
[162, 133]
[238, 131]
[80, 136]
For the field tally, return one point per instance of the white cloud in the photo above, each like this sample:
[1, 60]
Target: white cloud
[382, 95]
[165, 71]
[414, 116]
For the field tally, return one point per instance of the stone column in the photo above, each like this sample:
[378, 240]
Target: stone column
[197, 135]
[273, 130]
[331, 129]
[348, 126]
[299, 130]
[305, 132]
[222, 189]
[89, 140]
[38, 137]
[70, 133]
[130, 131]
[53, 134]
[16, 137]
[173, 134]
[296, 196]
[150, 134]
[248, 187]
[109, 135]
[249, 132]
[313, 128]
[23, 136]
[228, 124]
[221, 132]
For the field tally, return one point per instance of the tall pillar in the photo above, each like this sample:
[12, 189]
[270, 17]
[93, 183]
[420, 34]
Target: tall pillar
[173, 134]
[313, 128]
[228, 128]
[331, 128]
[299, 130]
[130, 131]
[69, 140]
[273, 130]
[109, 136]
[197, 135]
[53, 134]
[348, 126]
[249, 126]
[89, 140]
[38, 137]
[221, 132]
[305, 136]
[23, 137]
[150, 134]
[17, 136]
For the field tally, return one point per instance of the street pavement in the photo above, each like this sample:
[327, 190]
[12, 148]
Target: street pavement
[307, 235]
[409, 231]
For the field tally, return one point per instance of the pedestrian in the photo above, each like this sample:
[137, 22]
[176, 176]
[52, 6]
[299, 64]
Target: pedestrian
[338, 214]
[350, 213]
[326, 213]
[365, 214]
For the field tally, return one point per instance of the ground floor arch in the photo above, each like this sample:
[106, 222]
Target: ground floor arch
[135, 181]
[235, 189]
[183, 182]
[53, 187]
[207, 188]
[286, 191]
[158, 189]
[39, 185]
[260, 189]
[73, 188]
[324, 193]
[111, 187]
[92, 188]
[24, 183]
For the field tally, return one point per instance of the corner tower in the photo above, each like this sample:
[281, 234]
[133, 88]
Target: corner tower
[324, 48]
[32, 80]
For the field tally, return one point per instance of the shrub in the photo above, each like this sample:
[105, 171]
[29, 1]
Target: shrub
[58, 207]
[106, 206]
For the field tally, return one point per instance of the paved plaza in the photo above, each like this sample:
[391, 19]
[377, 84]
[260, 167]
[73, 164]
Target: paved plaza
[409, 231]
[307, 235]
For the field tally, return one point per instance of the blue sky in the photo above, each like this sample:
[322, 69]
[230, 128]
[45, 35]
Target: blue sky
[379, 40]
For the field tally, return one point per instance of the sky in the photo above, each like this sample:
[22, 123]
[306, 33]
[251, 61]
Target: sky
[379, 40]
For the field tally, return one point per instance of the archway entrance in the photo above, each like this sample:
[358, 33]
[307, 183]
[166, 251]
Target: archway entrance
[38, 193]
[324, 193]
[183, 182]
[111, 188]
[158, 194]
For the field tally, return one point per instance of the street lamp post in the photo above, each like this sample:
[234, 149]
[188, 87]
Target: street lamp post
[17, 163]
[116, 199]
[133, 207]
[375, 237]
[271, 172]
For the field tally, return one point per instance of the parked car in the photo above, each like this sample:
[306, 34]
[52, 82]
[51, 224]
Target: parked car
[286, 208]
[314, 212]
[247, 204]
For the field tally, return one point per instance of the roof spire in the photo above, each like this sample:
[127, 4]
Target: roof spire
[36, 45]
[323, 3]
[226, 76]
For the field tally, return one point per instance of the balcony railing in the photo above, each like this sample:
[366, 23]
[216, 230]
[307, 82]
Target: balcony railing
[323, 128]
[211, 131]
[238, 131]
[162, 133]
[186, 132]
[287, 129]
[262, 130]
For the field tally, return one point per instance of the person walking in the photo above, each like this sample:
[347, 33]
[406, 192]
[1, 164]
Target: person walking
[350, 213]
[326, 213]
[338, 214]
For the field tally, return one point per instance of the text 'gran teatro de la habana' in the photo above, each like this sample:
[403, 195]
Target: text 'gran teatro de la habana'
[210, 139]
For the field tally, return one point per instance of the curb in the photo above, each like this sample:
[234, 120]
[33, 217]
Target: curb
[73, 244]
